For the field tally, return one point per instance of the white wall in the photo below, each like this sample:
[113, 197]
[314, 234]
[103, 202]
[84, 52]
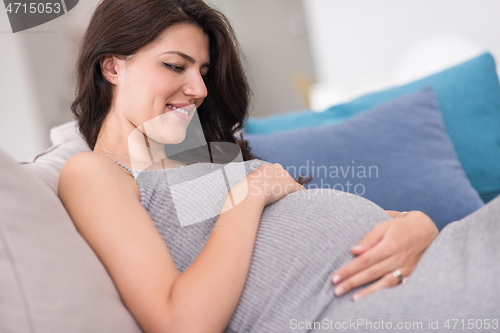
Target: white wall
[275, 44]
[358, 38]
[37, 79]
[21, 135]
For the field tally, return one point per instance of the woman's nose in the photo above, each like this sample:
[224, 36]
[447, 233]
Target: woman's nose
[195, 86]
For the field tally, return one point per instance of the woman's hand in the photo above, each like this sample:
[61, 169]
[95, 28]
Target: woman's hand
[272, 182]
[396, 244]
[265, 185]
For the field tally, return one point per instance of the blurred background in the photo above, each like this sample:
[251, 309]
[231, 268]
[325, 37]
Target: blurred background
[299, 54]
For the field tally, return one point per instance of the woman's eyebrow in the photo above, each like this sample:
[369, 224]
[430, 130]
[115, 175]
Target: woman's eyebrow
[188, 58]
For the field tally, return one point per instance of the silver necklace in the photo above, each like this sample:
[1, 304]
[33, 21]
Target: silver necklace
[128, 158]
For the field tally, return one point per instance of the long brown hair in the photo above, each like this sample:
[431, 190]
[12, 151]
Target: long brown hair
[122, 27]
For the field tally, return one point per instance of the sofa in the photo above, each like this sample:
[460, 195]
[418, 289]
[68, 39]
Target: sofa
[51, 280]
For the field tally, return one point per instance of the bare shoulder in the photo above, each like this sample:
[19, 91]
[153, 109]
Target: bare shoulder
[91, 161]
[89, 169]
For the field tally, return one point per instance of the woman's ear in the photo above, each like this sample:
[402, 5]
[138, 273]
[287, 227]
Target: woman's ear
[109, 68]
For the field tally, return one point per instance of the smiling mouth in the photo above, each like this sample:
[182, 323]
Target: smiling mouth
[181, 110]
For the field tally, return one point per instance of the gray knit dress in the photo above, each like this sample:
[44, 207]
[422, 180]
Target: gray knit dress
[301, 241]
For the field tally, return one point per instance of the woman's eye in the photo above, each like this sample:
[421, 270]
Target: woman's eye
[175, 68]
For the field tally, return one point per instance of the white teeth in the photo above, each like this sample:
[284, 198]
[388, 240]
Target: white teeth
[179, 109]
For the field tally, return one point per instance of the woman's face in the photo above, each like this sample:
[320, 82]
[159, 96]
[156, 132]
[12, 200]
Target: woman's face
[163, 76]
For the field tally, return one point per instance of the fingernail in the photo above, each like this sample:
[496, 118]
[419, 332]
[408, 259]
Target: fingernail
[355, 297]
[339, 291]
[357, 248]
[336, 279]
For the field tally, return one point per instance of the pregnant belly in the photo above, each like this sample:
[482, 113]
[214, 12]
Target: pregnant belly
[302, 239]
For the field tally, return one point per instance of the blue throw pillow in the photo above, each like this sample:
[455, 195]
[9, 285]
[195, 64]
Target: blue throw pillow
[469, 99]
[397, 155]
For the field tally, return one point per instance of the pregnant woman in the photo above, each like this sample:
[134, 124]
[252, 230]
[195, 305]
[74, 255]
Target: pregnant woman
[148, 72]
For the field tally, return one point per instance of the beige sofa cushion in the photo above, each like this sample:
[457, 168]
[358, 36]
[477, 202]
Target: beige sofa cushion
[50, 279]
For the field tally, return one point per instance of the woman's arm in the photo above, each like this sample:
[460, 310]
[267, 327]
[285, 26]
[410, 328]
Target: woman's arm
[395, 244]
[105, 206]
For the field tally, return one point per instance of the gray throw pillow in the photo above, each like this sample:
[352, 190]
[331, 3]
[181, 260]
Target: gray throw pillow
[397, 155]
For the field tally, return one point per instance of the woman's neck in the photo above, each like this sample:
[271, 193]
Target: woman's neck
[129, 144]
